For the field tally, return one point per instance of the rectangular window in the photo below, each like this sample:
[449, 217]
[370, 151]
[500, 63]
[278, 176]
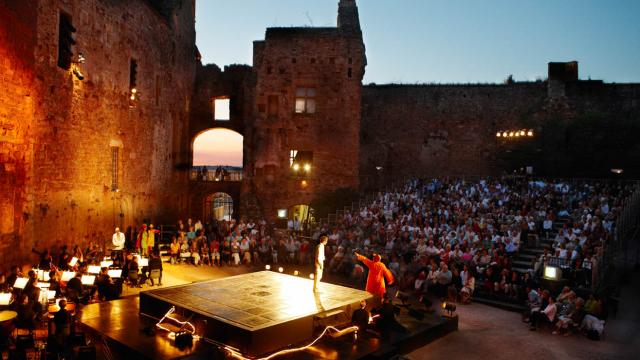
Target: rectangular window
[115, 153]
[133, 74]
[65, 41]
[221, 110]
[305, 101]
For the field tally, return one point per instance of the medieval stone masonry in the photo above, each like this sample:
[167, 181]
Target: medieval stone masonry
[105, 139]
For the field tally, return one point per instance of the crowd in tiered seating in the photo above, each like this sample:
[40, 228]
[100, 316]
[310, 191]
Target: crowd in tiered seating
[454, 237]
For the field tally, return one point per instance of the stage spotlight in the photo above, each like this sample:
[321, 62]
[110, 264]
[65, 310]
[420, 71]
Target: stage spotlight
[296, 167]
[498, 134]
[449, 308]
[296, 273]
[311, 276]
[552, 273]
[267, 267]
[307, 167]
[280, 269]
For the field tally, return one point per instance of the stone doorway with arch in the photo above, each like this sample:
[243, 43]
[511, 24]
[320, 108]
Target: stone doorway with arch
[218, 206]
[299, 217]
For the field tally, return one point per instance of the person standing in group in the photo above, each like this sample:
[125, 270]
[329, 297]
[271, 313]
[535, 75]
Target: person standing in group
[151, 240]
[319, 264]
[141, 242]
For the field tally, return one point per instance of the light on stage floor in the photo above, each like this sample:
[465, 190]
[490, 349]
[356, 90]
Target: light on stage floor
[280, 269]
[267, 267]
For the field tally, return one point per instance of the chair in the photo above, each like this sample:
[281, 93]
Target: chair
[154, 275]
[133, 278]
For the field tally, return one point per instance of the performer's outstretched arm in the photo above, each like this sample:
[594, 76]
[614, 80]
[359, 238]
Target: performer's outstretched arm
[364, 260]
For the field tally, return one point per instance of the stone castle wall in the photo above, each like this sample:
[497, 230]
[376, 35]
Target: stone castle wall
[65, 195]
[439, 129]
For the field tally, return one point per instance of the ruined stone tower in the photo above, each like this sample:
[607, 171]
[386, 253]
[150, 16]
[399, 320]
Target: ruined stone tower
[307, 112]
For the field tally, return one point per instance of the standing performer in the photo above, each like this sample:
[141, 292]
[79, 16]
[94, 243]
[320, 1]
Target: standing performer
[319, 261]
[377, 273]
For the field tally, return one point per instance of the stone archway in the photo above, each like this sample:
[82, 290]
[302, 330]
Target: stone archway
[218, 206]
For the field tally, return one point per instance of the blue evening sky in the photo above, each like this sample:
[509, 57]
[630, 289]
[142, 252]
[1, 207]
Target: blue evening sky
[446, 41]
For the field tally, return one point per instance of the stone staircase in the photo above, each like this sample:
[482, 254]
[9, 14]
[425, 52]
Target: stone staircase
[523, 261]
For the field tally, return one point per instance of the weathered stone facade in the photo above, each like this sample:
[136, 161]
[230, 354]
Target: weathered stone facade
[304, 92]
[445, 130]
[58, 132]
[325, 66]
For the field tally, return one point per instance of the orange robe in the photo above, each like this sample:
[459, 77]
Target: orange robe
[378, 272]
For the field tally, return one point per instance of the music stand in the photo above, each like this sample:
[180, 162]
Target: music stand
[67, 275]
[5, 298]
[93, 269]
[88, 279]
[20, 283]
[115, 273]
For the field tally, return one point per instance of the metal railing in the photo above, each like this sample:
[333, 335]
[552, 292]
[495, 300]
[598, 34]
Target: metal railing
[216, 175]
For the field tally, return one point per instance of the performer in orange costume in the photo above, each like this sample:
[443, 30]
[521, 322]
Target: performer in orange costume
[377, 273]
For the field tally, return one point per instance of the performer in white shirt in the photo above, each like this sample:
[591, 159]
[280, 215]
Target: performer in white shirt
[118, 240]
[319, 261]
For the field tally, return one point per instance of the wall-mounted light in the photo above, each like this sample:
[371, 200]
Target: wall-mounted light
[296, 167]
[75, 68]
[307, 167]
[509, 134]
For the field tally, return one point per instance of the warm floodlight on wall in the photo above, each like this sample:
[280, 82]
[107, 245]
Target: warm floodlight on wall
[80, 59]
[282, 213]
[509, 134]
[296, 167]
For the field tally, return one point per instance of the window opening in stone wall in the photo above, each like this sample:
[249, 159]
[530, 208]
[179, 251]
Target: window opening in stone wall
[217, 156]
[305, 101]
[115, 155]
[300, 161]
[133, 74]
[221, 109]
[133, 82]
[65, 41]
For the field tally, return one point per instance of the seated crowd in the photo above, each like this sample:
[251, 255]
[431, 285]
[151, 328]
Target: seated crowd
[455, 237]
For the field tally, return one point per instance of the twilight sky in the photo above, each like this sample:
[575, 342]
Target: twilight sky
[446, 41]
[218, 147]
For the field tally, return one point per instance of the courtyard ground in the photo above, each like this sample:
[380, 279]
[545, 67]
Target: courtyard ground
[486, 332]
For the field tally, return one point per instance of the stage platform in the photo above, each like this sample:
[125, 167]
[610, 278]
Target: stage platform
[257, 313]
